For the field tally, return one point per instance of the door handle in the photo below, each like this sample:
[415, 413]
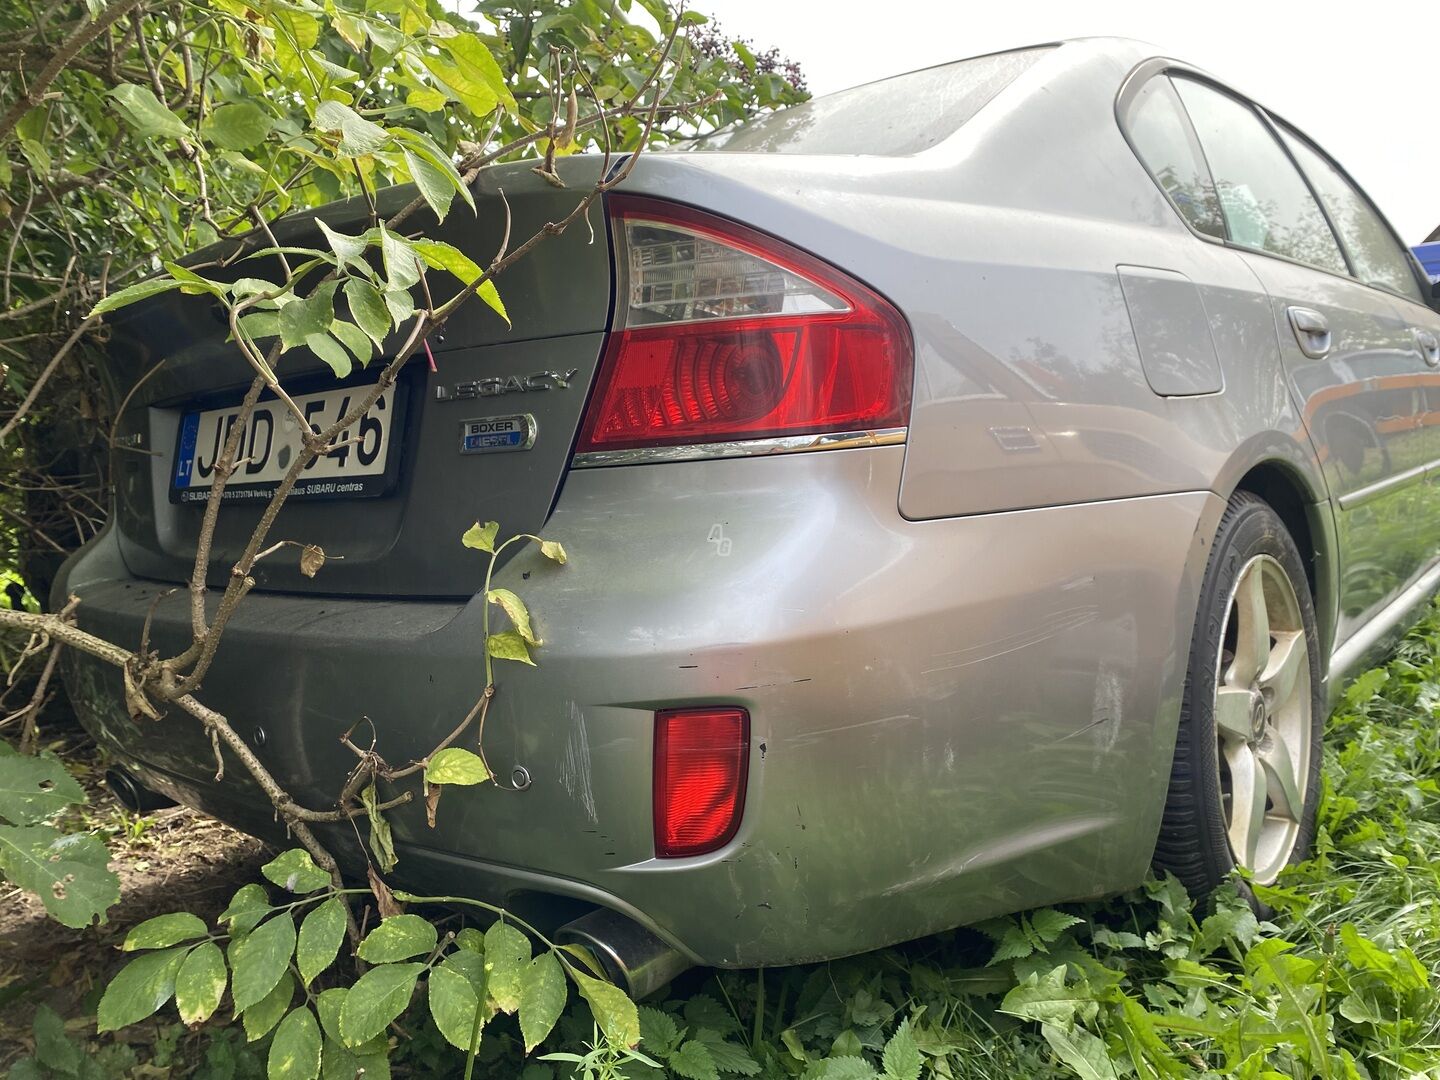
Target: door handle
[1429, 346]
[1312, 331]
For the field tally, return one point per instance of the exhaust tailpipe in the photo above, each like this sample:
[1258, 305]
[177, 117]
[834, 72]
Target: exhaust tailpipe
[633, 958]
[132, 794]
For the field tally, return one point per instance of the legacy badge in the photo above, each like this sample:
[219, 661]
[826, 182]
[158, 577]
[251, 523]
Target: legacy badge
[497, 434]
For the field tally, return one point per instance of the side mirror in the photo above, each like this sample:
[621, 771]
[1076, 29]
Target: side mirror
[1435, 293]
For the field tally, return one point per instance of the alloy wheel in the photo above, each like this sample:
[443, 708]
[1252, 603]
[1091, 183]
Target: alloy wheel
[1263, 715]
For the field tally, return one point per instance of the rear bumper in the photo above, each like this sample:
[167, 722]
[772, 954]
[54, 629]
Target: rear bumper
[949, 718]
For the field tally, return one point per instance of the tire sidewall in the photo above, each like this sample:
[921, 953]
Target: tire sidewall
[1249, 528]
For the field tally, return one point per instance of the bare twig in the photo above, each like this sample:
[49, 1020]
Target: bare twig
[44, 377]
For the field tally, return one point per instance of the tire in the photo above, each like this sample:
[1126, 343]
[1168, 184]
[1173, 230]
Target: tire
[1238, 731]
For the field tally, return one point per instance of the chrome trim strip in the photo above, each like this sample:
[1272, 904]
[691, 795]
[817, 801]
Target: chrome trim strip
[785, 444]
[1360, 496]
[1355, 649]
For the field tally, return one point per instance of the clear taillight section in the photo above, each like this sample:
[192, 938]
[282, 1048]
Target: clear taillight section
[702, 756]
[724, 334]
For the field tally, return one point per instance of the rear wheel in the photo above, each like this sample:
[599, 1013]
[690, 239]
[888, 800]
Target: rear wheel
[1246, 776]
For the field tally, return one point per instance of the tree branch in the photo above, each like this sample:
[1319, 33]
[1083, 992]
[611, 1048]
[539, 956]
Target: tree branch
[83, 34]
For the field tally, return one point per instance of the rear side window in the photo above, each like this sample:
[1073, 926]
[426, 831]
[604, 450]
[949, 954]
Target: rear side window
[891, 118]
[1265, 201]
[1374, 252]
[1163, 138]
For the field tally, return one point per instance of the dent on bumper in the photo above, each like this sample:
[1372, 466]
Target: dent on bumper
[949, 718]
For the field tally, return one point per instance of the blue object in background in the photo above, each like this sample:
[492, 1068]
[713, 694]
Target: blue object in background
[1429, 256]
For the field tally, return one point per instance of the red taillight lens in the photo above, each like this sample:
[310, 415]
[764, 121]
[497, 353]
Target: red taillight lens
[723, 333]
[701, 758]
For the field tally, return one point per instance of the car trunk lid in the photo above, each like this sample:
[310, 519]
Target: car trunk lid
[485, 433]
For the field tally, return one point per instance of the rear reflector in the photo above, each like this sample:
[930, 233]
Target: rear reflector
[724, 334]
[701, 759]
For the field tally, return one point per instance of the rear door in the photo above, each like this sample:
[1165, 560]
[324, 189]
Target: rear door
[1350, 356]
[1379, 259]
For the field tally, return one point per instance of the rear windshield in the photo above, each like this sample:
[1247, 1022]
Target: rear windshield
[890, 118]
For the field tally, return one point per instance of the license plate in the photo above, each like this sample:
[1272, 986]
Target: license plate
[357, 469]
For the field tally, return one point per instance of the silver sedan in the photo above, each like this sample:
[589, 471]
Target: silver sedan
[974, 483]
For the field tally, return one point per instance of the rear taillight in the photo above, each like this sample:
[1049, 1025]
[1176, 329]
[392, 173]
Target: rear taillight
[724, 334]
[701, 758]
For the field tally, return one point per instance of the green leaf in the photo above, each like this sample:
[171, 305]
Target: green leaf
[295, 871]
[472, 939]
[331, 351]
[1046, 999]
[53, 1047]
[246, 908]
[144, 112]
[1235, 923]
[456, 989]
[321, 934]
[354, 339]
[398, 938]
[130, 294]
[165, 930]
[260, 958]
[200, 983]
[299, 319]
[295, 1053]
[728, 1057]
[848, 1068]
[266, 1013]
[67, 872]
[507, 954]
[613, 1011]
[260, 324]
[402, 265]
[456, 766]
[143, 985]
[1082, 1051]
[1049, 924]
[340, 1062]
[542, 998]
[481, 537]
[514, 607]
[439, 255]
[399, 304]
[192, 283]
[367, 307]
[694, 1062]
[423, 146]
[358, 136]
[434, 185]
[35, 788]
[659, 1034]
[426, 99]
[508, 645]
[382, 844]
[239, 125]
[703, 1011]
[378, 997]
[348, 249]
[551, 549]
[467, 84]
[901, 1057]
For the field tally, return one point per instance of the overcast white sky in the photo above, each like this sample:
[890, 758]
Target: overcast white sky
[1362, 79]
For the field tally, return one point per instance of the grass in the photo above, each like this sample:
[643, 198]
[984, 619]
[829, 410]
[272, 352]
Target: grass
[1339, 983]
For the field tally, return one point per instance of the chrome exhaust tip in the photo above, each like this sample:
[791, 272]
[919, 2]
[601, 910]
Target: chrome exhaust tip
[632, 957]
[132, 794]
